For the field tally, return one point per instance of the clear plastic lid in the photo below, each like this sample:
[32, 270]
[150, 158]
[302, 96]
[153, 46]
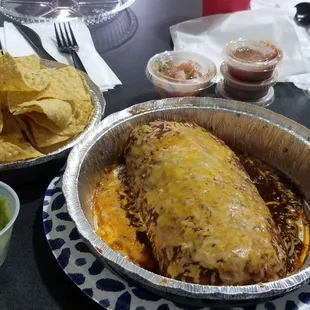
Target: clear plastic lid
[187, 70]
[91, 12]
[257, 55]
[254, 86]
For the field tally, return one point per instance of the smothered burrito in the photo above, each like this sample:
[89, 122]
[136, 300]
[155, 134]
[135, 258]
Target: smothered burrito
[187, 207]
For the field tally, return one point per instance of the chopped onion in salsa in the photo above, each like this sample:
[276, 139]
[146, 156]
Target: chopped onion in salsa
[185, 71]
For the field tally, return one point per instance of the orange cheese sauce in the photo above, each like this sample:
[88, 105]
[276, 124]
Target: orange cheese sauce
[116, 221]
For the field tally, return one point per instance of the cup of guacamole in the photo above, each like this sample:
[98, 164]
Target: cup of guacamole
[9, 209]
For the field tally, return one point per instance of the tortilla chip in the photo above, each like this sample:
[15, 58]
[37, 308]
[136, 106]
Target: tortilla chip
[36, 79]
[13, 145]
[3, 100]
[15, 98]
[66, 84]
[39, 136]
[41, 109]
[31, 62]
[44, 137]
[25, 125]
[83, 112]
[57, 111]
[12, 152]
[17, 78]
[81, 115]
[54, 147]
[42, 120]
[1, 121]
[11, 131]
[86, 87]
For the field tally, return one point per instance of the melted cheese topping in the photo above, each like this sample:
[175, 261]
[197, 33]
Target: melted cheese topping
[113, 216]
[201, 210]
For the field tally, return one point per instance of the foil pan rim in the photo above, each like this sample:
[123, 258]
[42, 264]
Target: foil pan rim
[70, 190]
[99, 109]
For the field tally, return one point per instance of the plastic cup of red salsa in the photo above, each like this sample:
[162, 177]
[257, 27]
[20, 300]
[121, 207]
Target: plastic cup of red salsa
[245, 91]
[252, 60]
[164, 71]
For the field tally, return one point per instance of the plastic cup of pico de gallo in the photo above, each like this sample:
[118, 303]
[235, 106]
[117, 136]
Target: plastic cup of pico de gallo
[180, 73]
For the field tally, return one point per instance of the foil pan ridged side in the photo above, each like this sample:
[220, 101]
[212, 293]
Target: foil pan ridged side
[99, 108]
[279, 141]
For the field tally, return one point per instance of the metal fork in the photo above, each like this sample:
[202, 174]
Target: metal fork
[1, 50]
[67, 44]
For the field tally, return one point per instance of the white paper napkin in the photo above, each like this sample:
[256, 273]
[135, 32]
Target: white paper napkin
[209, 35]
[282, 4]
[98, 70]
[288, 6]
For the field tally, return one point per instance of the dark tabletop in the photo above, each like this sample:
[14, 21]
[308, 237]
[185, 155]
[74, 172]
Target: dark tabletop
[31, 277]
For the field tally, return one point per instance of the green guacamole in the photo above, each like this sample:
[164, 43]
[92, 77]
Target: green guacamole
[4, 216]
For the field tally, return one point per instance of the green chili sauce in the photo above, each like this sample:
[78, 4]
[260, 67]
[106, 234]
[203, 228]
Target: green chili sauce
[4, 216]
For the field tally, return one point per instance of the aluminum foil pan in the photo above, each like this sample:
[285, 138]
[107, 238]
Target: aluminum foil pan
[99, 104]
[279, 141]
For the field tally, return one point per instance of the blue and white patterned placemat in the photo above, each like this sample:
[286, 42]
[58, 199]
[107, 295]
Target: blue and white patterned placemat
[107, 288]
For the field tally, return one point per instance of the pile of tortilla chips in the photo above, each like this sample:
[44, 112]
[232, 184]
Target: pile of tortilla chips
[41, 109]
